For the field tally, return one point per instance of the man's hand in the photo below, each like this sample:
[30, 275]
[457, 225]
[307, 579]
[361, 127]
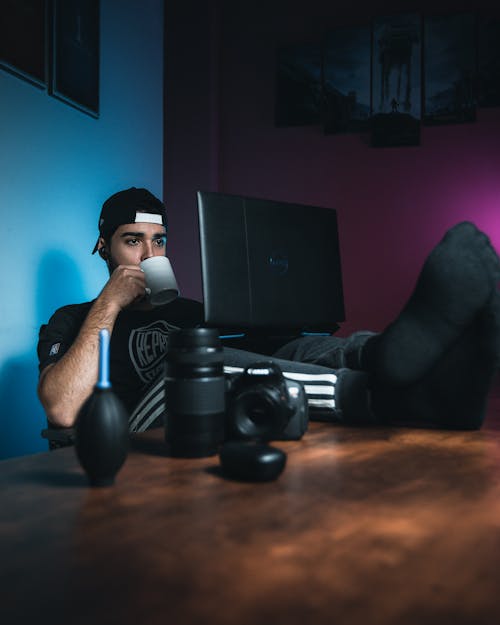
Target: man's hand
[126, 286]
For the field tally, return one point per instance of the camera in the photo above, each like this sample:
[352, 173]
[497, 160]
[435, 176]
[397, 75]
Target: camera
[205, 408]
[262, 404]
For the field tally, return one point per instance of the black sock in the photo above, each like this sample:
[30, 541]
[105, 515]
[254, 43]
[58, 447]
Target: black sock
[453, 393]
[353, 398]
[455, 284]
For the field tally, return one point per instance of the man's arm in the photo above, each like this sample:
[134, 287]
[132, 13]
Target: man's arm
[65, 385]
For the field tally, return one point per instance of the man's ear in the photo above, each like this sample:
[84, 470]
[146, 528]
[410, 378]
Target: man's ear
[102, 249]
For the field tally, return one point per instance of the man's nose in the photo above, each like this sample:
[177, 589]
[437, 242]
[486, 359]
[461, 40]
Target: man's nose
[147, 250]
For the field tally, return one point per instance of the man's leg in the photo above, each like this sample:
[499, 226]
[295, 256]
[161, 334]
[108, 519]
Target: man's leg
[328, 351]
[337, 395]
[333, 395]
[453, 393]
[434, 364]
[454, 286]
[150, 409]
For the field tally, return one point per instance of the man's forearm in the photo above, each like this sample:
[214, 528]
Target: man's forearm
[65, 385]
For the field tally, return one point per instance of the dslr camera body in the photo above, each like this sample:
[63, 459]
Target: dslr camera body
[262, 404]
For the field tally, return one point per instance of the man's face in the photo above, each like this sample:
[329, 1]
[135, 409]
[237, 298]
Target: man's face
[133, 243]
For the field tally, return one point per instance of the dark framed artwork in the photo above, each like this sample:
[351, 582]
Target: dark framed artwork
[396, 80]
[298, 85]
[346, 80]
[488, 61]
[23, 39]
[75, 54]
[450, 68]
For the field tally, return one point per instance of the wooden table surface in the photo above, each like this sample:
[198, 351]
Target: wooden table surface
[365, 526]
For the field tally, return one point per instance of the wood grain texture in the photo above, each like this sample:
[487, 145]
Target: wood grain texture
[365, 526]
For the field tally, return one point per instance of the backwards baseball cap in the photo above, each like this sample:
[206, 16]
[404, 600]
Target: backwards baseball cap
[129, 207]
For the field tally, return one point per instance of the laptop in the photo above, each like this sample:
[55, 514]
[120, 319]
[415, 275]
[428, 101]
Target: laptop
[269, 265]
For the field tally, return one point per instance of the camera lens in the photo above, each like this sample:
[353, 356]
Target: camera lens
[260, 412]
[195, 388]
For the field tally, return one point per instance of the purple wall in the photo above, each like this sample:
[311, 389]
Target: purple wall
[393, 203]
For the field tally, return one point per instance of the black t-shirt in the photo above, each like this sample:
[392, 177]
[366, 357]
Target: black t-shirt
[138, 341]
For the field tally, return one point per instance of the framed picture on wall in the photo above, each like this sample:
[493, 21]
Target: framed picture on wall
[396, 80]
[75, 54]
[489, 61]
[346, 80]
[23, 39]
[450, 68]
[298, 85]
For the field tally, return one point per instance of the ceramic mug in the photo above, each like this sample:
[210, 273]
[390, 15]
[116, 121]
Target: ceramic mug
[161, 284]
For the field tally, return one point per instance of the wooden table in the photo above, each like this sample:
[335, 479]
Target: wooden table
[365, 526]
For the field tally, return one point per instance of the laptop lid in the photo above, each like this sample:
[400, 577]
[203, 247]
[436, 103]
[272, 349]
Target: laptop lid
[269, 265]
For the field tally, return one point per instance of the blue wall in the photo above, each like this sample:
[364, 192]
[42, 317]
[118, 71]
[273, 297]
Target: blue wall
[57, 166]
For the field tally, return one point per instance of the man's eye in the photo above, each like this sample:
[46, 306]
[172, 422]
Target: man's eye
[132, 241]
[160, 242]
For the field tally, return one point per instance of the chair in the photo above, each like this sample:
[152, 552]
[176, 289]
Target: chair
[58, 437]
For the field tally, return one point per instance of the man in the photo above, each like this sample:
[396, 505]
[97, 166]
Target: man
[432, 366]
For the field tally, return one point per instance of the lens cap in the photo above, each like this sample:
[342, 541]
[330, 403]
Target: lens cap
[251, 462]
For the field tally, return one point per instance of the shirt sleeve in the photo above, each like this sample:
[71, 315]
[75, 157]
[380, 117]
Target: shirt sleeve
[57, 336]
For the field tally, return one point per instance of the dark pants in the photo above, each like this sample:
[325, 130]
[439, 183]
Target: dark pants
[308, 354]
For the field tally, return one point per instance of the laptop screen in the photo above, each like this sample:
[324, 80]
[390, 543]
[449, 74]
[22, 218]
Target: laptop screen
[269, 265]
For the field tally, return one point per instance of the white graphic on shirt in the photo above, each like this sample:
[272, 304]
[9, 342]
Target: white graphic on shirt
[54, 349]
[147, 347]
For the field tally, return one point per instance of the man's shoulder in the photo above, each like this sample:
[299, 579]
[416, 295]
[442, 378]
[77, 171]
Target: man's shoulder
[70, 317]
[75, 311]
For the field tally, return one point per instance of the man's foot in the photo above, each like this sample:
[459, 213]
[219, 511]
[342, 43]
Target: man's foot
[455, 284]
[453, 393]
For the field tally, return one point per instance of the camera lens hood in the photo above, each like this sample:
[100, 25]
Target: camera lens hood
[191, 338]
[194, 347]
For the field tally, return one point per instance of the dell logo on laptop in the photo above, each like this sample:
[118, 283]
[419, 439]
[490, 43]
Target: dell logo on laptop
[278, 263]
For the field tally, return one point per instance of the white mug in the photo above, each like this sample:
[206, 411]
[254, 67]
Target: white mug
[160, 280]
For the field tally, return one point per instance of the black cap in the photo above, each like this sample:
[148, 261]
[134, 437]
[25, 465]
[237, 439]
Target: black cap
[126, 207]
